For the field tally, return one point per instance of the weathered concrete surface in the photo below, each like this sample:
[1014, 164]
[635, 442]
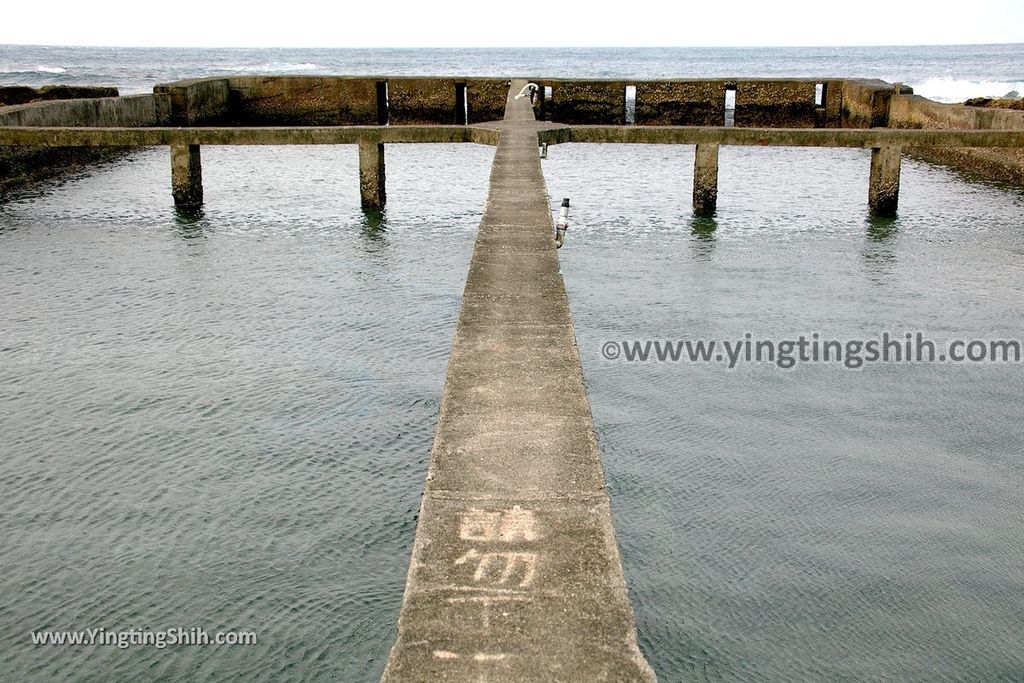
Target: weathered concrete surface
[1005, 165]
[486, 98]
[760, 102]
[198, 102]
[884, 181]
[866, 103]
[515, 574]
[419, 101]
[129, 111]
[586, 102]
[432, 100]
[23, 94]
[186, 176]
[372, 186]
[680, 103]
[352, 100]
[303, 100]
[487, 134]
[20, 165]
[780, 137]
[302, 135]
[705, 179]
[833, 104]
[775, 104]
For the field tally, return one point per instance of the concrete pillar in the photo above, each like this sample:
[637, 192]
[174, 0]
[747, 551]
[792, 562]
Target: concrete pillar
[884, 185]
[371, 175]
[705, 179]
[186, 176]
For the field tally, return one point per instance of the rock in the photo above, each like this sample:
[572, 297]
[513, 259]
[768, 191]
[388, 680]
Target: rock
[21, 94]
[998, 103]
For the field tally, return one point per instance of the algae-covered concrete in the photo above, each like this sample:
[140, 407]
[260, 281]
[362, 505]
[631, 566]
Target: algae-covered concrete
[680, 103]
[884, 181]
[586, 102]
[865, 103]
[372, 176]
[775, 104]
[362, 100]
[421, 100]
[515, 573]
[20, 165]
[197, 102]
[303, 100]
[1002, 164]
[705, 179]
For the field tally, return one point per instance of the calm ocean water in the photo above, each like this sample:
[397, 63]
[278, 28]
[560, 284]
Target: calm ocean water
[224, 421]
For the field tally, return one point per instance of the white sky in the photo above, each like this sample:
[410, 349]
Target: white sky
[528, 23]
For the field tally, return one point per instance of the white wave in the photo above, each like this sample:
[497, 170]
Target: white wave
[958, 90]
[274, 67]
[27, 70]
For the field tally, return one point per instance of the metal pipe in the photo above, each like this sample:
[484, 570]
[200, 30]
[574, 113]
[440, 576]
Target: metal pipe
[563, 223]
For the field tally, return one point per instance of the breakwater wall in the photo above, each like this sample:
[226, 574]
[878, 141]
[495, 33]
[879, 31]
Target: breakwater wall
[21, 165]
[306, 101]
[1005, 164]
[379, 100]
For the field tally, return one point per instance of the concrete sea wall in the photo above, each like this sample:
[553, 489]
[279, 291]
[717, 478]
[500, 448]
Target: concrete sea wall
[769, 102]
[378, 100]
[21, 165]
[335, 100]
[1002, 164]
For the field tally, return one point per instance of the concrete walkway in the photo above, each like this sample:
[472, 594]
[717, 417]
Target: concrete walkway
[515, 573]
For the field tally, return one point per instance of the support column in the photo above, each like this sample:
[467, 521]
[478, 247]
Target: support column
[884, 185]
[371, 175]
[186, 176]
[705, 179]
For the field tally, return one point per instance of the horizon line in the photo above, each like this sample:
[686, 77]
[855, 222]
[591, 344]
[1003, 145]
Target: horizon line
[503, 47]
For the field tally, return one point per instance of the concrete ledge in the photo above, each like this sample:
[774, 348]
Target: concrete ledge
[122, 112]
[21, 164]
[664, 135]
[785, 137]
[334, 135]
[1004, 165]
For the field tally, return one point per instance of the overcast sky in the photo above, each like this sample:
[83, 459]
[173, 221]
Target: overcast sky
[527, 23]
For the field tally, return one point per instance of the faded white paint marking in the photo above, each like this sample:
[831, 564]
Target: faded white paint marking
[488, 599]
[445, 654]
[488, 657]
[518, 524]
[501, 567]
[515, 524]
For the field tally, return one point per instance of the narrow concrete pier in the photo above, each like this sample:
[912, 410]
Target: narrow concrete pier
[515, 572]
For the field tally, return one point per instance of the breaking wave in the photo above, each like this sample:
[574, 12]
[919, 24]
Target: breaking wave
[958, 90]
[41, 69]
[275, 67]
